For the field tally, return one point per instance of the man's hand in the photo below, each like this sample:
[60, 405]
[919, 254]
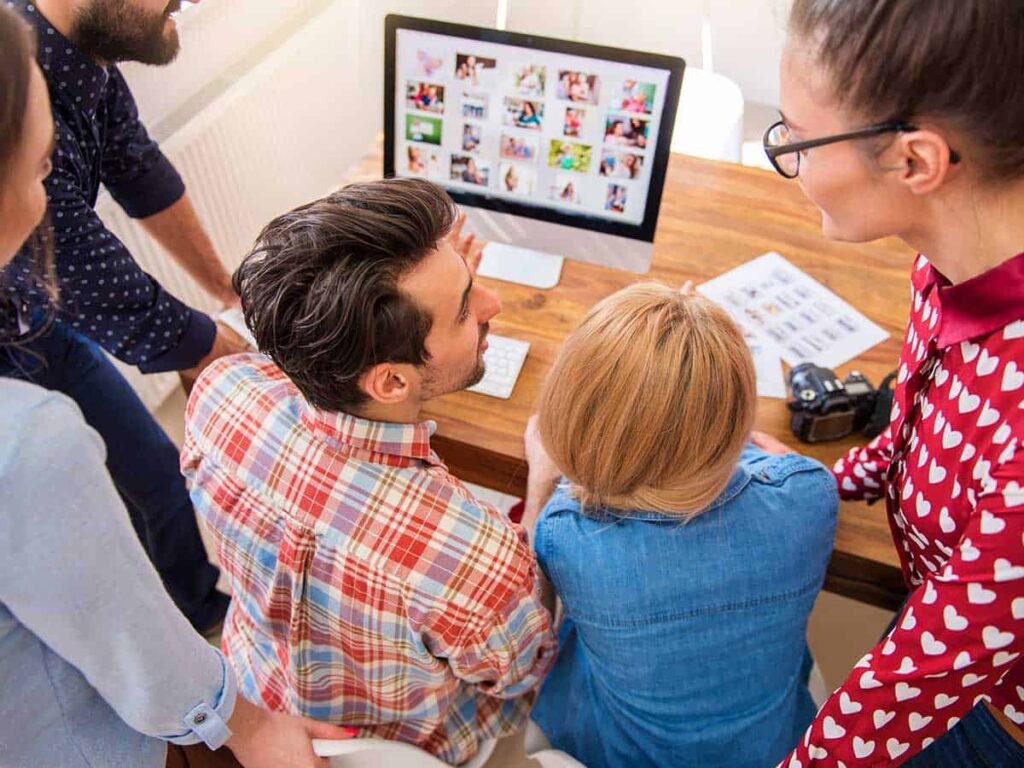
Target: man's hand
[226, 342]
[471, 249]
[262, 739]
[769, 444]
[178, 229]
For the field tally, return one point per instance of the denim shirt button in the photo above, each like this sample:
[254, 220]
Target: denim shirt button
[199, 719]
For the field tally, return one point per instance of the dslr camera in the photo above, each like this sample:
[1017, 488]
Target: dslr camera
[823, 407]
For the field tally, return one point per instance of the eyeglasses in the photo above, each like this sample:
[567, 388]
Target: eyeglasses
[784, 155]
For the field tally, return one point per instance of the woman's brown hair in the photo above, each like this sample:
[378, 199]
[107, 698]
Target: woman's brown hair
[650, 402]
[958, 62]
[17, 57]
[17, 51]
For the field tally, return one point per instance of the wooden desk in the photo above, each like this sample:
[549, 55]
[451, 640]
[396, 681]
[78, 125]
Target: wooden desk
[714, 216]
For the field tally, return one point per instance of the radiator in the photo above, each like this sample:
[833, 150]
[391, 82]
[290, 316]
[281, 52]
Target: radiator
[284, 132]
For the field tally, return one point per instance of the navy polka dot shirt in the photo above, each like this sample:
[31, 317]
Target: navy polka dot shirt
[105, 294]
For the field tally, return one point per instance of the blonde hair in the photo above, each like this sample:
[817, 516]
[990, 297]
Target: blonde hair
[650, 402]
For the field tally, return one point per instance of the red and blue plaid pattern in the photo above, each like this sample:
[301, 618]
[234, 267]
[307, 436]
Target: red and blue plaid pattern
[371, 589]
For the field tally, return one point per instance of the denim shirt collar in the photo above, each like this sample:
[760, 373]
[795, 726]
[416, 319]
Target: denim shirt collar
[739, 480]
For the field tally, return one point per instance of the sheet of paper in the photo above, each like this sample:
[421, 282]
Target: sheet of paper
[767, 367]
[780, 305]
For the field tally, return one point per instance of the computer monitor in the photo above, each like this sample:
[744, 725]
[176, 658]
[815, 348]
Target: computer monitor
[550, 145]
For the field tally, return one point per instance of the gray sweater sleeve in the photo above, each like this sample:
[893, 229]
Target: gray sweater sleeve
[73, 572]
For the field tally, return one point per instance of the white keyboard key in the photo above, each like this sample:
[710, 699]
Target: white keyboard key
[503, 360]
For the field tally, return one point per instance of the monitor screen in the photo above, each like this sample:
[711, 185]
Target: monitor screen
[550, 129]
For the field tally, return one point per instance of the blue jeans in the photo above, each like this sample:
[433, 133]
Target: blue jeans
[978, 740]
[141, 459]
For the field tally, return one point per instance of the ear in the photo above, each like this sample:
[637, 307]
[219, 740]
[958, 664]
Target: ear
[387, 383]
[924, 160]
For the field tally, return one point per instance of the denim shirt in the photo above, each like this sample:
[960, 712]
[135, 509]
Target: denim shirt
[684, 644]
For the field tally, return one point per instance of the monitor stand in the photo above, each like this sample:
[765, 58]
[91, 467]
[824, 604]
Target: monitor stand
[520, 265]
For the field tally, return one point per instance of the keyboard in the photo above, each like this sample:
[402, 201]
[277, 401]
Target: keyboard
[504, 360]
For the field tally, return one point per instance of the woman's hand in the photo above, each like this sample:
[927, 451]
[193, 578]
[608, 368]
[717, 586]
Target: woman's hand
[536, 455]
[769, 444]
[262, 739]
[543, 475]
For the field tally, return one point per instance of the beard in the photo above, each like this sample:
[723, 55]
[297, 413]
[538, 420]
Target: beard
[115, 30]
[436, 383]
[476, 375]
[481, 367]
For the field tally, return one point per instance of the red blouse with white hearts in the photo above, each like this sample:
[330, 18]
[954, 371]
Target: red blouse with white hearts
[953, 480]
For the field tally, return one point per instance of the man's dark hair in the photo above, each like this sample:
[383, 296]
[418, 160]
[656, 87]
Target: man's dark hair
[320, 288]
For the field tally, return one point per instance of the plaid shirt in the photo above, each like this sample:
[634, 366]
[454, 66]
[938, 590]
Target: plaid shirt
[371, 589]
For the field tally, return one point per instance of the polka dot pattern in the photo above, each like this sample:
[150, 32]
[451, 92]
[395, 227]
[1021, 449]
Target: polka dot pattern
[99, 139]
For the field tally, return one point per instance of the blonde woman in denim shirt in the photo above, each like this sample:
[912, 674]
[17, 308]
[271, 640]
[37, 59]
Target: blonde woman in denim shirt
[687, 560]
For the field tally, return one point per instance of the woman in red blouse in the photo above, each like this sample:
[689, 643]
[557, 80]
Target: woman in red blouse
[907, 118]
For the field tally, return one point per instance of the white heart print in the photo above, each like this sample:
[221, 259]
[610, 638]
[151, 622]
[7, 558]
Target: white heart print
[989, 416]
[862, 748]
[953, 621]
[936, 473]
[832, 729]
[917, 722]
[990, 524]
[882, 718]
[1014, 330]
[905, 692]
[978, 595]
[951, 438]
[946, 523]
[967, 402]
[906, 666]
[1007, 571]
[1012, 378]
[848, 706]
[994, 638]
[931, 646]
[896, 747]
[987, 363]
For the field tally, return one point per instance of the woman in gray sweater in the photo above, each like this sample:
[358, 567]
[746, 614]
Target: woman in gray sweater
[97, 666]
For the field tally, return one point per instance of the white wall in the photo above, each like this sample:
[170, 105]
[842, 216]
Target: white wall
[215, 36]
[218, 36]
[747, 34]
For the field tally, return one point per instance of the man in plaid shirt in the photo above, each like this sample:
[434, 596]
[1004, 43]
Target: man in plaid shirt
[370, 588]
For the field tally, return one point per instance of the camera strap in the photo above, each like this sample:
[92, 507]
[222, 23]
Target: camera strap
[880, 416]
